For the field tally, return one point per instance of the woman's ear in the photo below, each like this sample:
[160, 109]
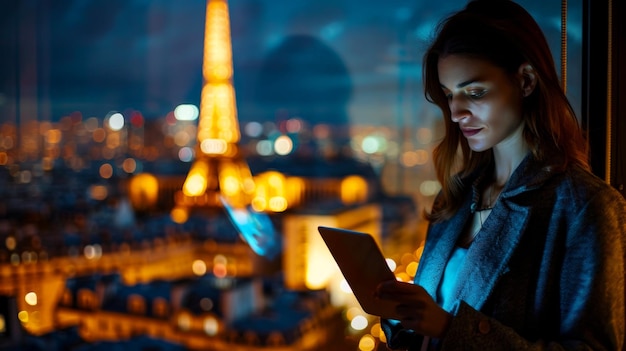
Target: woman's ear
[528, 78]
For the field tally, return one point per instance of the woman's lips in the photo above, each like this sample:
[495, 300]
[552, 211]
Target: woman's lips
[468, 132]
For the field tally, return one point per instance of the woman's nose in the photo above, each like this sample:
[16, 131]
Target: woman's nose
[458, 110]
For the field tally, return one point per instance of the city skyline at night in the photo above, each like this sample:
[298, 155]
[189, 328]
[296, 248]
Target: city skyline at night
[108, 232]
[99, 57]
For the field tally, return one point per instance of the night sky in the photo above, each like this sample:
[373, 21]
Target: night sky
[342, 59]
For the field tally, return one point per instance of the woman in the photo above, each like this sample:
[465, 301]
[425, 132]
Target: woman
[525, 248]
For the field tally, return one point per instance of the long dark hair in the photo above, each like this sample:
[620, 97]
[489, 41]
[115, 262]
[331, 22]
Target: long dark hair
[506, 35]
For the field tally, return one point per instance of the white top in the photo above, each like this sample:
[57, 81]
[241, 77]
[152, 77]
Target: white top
[449, 280]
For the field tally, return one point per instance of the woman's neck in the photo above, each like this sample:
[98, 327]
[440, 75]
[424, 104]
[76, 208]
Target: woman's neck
[507, 155]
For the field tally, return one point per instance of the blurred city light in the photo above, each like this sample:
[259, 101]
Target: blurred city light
[116, 122]
[359, 323]
[367, 343]
[283, 145]
[31, 298]
[169, 168]
[186, 112]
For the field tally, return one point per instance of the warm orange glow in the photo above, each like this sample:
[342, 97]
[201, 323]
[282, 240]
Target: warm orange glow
[259, 202]
[236, 183]
[211, 146]
[179, 215]
[196, 182]
[276, 180]
[218, 116]
[230, 179]
[143, 191]
[407, 258]
[220, 259]
[367, 343]
[353, 190]
[53, 136]
[414, 158]
[321, 266]
[31, 298]
[106, 171]
[352, 312]
[275, 192]
[218, 113]
[308, 263]
[376, 330]
[113, 140]
[10, 243]
[382, 336]
[403, 277]
[129, 165]
[277, 204]
[218, 168]
[198, 267]
[211, 326]
[219, 270]
[194, 185]
[296, 187]
[44, 126]
[270, 193]
[98, 192]
[184, 321]
[411, 269]
[217, 45]
[99, 135]
[182, 138]
[418, 252]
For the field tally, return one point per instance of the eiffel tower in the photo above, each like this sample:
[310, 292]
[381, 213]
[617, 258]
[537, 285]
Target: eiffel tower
[219, 167]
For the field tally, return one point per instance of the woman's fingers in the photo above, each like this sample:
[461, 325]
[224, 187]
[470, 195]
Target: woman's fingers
[415, 308]
[396, 290]
[412, 312]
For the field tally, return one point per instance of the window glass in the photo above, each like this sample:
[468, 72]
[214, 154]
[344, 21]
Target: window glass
[349, 65]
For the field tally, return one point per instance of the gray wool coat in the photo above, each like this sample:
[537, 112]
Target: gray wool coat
[546, 271]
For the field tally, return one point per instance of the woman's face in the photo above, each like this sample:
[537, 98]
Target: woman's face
[484, 101]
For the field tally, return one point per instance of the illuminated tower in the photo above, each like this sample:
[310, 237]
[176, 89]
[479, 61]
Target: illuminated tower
[219, 167]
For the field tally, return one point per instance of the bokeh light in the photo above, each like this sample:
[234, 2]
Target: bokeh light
[253, 129]
[31, 298]
[186, 112]
[198, 267]
[283, 145]
[430, 188]
[186, 154]
[210, 326]
[359, 323]
[116, 121]
[367, 343]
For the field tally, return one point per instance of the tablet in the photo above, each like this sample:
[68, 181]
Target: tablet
[363, 266]
[255, 228]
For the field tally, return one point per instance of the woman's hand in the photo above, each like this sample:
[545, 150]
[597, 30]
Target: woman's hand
[416, 309]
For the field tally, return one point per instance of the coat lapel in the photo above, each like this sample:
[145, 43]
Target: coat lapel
[488, 257]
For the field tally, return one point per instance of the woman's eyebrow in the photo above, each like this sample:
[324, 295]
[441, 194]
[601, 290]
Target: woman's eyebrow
[462, 84]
